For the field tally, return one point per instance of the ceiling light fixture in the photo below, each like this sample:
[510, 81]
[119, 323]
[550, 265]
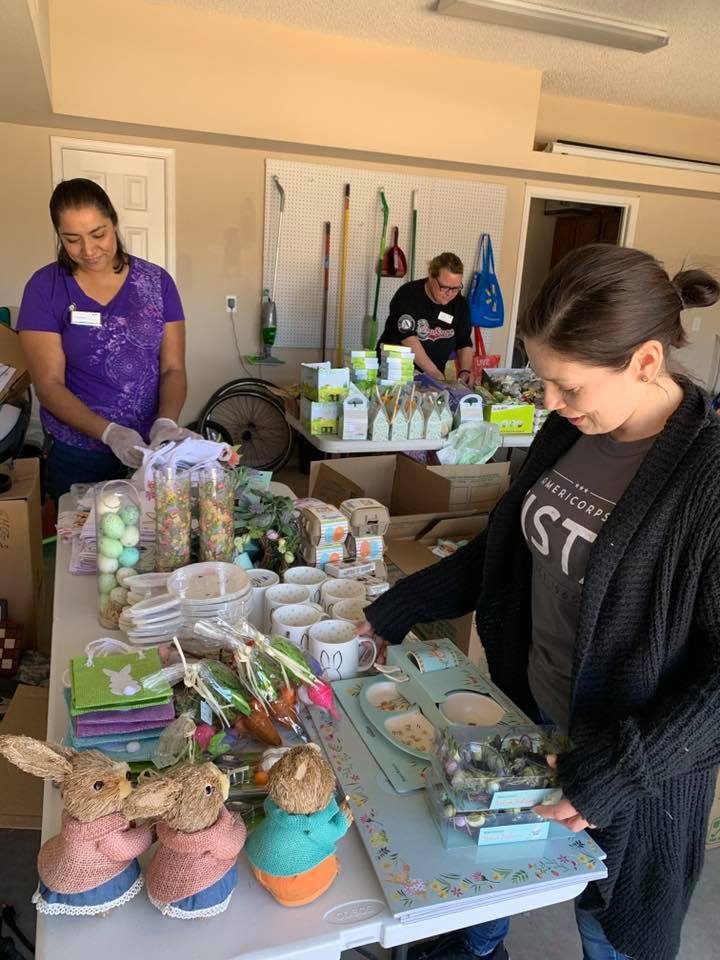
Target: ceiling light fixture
[557, 22]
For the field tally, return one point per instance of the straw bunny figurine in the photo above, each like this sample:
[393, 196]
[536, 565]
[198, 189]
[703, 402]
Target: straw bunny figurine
[292, 852]
[193, 873]
[91, 865]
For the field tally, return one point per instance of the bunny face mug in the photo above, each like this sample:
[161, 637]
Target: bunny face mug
[340, 653]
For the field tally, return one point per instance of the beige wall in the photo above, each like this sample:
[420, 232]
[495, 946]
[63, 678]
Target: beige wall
[271, 81]
[627, 128]
[220, 202]
[219, 244]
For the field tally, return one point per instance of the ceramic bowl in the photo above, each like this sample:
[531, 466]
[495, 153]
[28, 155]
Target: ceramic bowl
[471, 709]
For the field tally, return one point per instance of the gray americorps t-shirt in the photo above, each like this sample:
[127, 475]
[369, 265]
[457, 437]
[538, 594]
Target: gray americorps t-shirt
[562, 515]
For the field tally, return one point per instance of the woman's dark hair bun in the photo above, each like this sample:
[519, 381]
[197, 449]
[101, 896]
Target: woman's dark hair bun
[696, 288]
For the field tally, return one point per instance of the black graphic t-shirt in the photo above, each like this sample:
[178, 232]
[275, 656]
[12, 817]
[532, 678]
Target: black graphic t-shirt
[562, 515]
[441, 328]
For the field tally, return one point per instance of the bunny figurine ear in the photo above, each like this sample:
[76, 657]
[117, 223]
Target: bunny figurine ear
[153, 799]
[33, 756]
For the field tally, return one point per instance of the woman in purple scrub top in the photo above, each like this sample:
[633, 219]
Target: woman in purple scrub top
[104, 335]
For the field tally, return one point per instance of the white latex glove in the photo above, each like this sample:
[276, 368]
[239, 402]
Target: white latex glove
[165, 430]
[124, 443]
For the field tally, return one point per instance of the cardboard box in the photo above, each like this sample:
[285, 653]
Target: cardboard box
[407, 487]
[408, 555]
[321, 382]
[713, 834]
[21, 795]
[21, 563]
[319, 419]
[12, 355]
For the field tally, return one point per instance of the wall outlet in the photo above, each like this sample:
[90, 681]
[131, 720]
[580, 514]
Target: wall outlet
[230, 302]
[696, 322]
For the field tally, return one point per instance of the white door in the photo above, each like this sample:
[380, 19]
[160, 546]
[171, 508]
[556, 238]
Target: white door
[140, 184]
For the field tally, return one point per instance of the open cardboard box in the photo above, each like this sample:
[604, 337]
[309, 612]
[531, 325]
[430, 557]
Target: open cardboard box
[414, 494]
[21, 795]
[405, 556]
[21, 560]
[12, 355]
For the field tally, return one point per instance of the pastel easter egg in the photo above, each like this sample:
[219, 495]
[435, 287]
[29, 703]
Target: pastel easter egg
[130, 515]
[106, 582]
[123, 573]
[129, 557]
[107, 564]
[112, 526]
[108, 503]
[110, 548]
[119, 595]
[130, 537]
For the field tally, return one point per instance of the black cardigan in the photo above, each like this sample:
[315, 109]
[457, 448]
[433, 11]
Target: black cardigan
[645, 711]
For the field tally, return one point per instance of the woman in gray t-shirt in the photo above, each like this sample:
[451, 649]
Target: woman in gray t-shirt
[597, 593]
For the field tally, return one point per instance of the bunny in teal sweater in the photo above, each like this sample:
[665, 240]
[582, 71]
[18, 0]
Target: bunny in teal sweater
[292, 852]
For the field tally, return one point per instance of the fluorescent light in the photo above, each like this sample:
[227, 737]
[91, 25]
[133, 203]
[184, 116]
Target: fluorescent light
[543, 18]
[646, 159]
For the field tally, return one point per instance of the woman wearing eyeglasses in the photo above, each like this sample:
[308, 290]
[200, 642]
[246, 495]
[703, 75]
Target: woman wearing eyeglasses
[432, 317]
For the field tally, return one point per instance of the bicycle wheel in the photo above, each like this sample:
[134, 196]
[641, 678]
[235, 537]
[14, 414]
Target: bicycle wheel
[241, 384]
[254, 420]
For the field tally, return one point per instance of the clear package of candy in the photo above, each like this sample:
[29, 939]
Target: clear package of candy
[500, 767]
[173, 515]
[463, 828]
[117, 529]
[216, 506]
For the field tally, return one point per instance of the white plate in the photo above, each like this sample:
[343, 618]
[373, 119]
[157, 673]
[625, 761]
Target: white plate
[152, 606]
[147, 581]
[209, 581]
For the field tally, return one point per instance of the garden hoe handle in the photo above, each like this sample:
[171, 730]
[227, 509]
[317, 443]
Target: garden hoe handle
[383, 239]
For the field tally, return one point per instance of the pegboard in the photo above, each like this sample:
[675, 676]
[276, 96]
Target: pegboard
[451, 216]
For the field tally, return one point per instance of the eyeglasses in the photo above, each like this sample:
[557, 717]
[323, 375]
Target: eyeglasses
[446, 289]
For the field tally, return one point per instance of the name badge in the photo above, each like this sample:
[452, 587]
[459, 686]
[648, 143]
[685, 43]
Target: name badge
[445, 317]
[85, 318]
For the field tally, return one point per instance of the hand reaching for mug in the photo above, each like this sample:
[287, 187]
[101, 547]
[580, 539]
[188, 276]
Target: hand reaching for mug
[366, 629]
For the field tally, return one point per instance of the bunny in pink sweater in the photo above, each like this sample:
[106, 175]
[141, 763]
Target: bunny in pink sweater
[193, 873]
[91, 865]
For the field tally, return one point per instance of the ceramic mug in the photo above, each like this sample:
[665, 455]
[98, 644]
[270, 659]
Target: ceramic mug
[428, 661]
[351, 610]
[260, 581]
[307, 577]
[333, 590]
[339, 651]
[280, 595]
[294, 620]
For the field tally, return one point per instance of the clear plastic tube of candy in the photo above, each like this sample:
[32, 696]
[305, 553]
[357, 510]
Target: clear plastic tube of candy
[216, 504]
[173, 515]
